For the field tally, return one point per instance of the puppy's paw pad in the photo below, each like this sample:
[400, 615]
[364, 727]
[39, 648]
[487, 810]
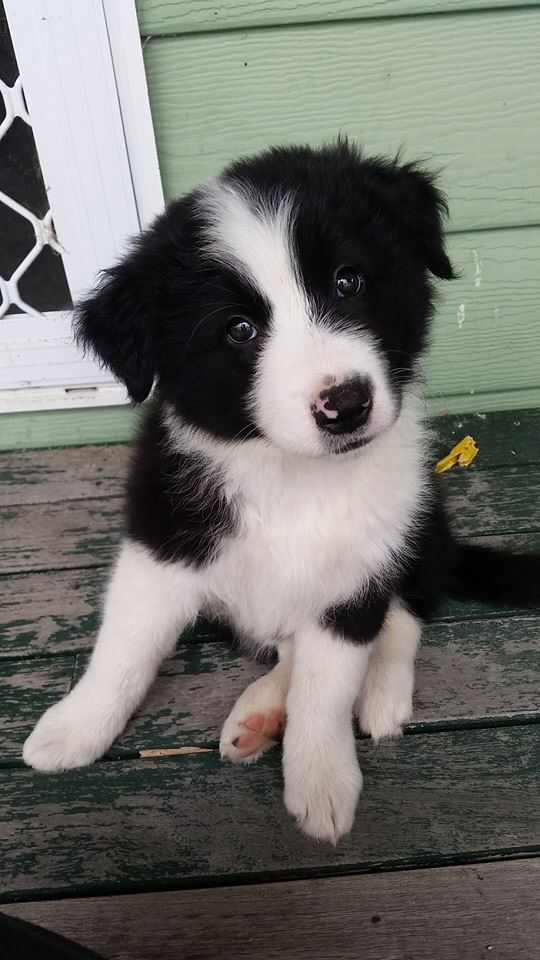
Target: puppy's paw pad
[245, 740]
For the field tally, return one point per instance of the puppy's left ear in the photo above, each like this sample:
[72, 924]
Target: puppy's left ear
[410, 196]
[115, 322]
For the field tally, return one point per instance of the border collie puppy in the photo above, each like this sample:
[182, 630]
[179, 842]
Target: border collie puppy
[282, 479]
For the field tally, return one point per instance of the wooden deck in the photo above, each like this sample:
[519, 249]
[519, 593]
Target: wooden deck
[187, 857]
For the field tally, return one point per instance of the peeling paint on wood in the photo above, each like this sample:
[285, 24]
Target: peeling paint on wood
[128, 825]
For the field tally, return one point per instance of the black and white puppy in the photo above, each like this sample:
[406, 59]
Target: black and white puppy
[282, 479]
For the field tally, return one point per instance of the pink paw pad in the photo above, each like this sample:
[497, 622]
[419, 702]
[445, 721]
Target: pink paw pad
[260, 728]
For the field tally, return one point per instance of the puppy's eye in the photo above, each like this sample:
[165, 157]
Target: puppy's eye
[241, 330]
[348, 282]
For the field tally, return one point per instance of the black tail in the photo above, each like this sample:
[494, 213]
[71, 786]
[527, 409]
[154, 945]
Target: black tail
[482, 573]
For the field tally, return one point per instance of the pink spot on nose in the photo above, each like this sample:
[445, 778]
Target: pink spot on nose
[320, 406]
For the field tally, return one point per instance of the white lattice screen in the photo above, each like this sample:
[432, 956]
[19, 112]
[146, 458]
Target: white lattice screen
[85, 98]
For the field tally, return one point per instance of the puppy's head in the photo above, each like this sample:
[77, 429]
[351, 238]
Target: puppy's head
[289, 299]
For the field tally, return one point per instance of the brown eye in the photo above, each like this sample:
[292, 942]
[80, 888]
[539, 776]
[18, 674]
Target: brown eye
[348, 282]
[241, 330]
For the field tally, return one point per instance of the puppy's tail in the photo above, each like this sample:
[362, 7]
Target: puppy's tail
[490, 575]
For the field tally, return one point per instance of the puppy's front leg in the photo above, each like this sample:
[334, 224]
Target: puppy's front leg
[147, 606]
[322, 776]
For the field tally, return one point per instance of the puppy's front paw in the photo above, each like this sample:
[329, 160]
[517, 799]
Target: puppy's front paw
[257, 720]
[68, 735]
[322, 787]
[385, 703]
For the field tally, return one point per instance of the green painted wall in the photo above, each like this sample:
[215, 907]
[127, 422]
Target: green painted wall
[456, 82]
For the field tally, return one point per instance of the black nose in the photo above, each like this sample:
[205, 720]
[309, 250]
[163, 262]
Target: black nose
[344, 408]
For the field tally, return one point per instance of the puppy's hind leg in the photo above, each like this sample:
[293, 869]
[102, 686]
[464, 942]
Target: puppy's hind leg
[257, 720]
[385, 702]
[147, 606]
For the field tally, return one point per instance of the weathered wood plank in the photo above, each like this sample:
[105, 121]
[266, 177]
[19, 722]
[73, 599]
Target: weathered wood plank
[468, 673]
[85, 533]
[466, 911]
[166, 17]
[504, 438]
[59, 611]
[48, 476]
[216, 96]
[51, 476]
[27, 688]
[481, 502]
[134, 825]
[80, 533]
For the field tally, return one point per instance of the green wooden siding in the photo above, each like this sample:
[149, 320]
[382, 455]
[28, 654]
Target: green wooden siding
[163, 17]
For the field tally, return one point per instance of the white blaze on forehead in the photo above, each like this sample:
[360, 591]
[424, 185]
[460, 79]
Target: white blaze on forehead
[254, 237]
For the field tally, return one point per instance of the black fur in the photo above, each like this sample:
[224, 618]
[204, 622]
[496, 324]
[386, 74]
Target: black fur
[360, 620]
[175, 503]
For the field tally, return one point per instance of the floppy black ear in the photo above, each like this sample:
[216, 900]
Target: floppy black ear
[409, 195]
[114, 322]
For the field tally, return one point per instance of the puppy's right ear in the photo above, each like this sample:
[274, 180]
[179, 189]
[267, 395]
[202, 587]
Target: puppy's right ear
[114, 322]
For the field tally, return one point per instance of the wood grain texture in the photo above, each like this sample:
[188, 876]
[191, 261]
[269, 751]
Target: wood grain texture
[472, 671]
[467, 912]
[51, 476]
[165, 17]
[128, 825]
[467, 672]
[59, 611]
[85, 533]
[216, 96]
[27, 688]
[80, 533]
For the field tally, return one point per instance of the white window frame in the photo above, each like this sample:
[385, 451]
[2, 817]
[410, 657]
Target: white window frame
[83, 77]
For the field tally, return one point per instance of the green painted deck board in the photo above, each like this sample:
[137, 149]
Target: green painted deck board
[54, 476]
[474, 672]
[27, 688]
[218, 95]
[128, 825]
[45, 613]
[85, 533]
[164, 17]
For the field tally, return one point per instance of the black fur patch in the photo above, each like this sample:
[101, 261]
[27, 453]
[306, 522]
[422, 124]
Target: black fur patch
[175, 503]
[359, 620]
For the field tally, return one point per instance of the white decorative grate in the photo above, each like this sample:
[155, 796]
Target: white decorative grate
[44, 234]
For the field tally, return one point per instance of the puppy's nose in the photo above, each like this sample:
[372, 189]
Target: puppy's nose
[344, 408]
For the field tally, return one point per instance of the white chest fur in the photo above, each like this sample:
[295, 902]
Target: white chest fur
[312, 531]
